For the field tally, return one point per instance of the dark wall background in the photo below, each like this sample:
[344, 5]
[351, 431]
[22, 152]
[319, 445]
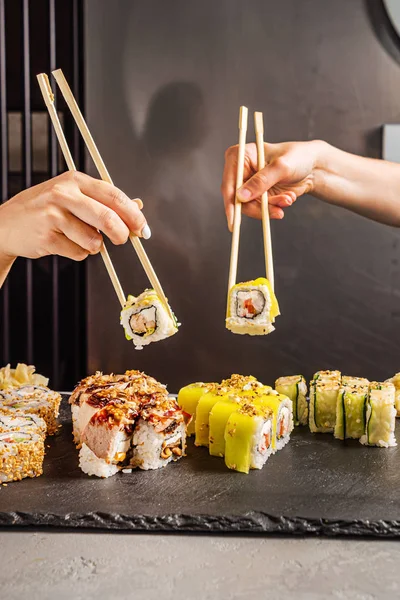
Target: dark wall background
[164, 82]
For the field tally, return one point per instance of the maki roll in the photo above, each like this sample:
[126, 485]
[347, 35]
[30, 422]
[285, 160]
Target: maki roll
[160, 434]
[248, 438]
[188, 398]
[351, 408]
[92, 465]
[295, 388]
[35, 400]
[324, 390]
[108, 434]
[380, 416]
[252, 308]
[396, 382]
[236, 384]
[219, 416]
[18, 421]
[21, 453]
[282, 411]
[146, 319]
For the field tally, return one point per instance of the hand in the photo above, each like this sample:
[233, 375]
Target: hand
[289, 172]
[63, 215]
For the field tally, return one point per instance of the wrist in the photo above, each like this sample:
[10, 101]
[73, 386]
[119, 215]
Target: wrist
[322, 161]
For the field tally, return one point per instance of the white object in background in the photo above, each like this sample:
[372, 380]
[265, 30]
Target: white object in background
[391, 143]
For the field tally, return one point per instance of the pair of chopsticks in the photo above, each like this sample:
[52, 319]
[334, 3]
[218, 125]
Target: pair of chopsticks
[105, 176]
[269, 266]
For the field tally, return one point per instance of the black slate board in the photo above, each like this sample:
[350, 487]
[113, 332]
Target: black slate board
[316, 485]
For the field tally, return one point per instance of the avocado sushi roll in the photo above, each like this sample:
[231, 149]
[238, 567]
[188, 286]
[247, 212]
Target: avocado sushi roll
[324, 390]
[219, 416]
[146, 319]
[380, 416]
[252, 308]
[351, 408]
[248, 438]
[295, 388]
[396, 382]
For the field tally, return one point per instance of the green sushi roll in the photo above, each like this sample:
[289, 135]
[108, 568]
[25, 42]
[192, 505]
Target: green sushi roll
[380, 416]
[324, 390]
[295, 388]
[351, 408]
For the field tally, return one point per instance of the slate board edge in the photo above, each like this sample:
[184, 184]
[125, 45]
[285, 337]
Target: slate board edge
[251, 523]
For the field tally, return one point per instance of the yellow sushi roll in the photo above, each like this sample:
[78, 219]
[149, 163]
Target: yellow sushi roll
[188, 398]
[252, 308]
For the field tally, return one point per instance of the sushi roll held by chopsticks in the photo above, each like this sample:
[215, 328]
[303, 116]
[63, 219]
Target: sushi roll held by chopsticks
[252, 306]
[147, 319]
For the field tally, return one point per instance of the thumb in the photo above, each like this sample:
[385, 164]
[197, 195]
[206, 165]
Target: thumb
[262, 181]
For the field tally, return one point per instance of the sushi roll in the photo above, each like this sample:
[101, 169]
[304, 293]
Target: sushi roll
[236, 384]
[21, 454]
[160, 434]
[19, 421]
[295, 388]
[92, 465]
[351, 408]
[252, 308]
[248, 438]
[380, 416]
[145, 319]
[219, 416]
[396, 382]
[282, 411]
[35, 400]
[108, 434]
[94, 392]
[188, 398]
[324, 390]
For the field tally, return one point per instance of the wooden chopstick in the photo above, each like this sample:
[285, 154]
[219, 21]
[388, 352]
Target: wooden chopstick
[243, 116]
[104, 174]
[269, 265]
[49, 101]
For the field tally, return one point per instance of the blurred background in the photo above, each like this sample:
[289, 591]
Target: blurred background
[161, 84]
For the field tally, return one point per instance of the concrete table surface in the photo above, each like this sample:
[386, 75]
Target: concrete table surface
[121, 566]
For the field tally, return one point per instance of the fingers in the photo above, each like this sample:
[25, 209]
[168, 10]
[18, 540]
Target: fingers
[228, 187]
[115, 199]
[263, 180]
[59, 244]
[82, 234]
[253, 209]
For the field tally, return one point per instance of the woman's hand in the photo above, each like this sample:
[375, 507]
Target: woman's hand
[290, 171]
[64, 216]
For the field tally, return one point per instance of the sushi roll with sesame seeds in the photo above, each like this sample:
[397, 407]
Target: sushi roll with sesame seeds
[351, 408]
[396, 382]
[380, 416]
[252, 308]
[37, 400]
[295, 388]
[21, 453]
[19, 421]
[248, 438]
[324, 391]
[146, 319]
[160, 434]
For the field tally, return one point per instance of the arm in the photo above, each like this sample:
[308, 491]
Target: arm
[365, 186]
[65, 216]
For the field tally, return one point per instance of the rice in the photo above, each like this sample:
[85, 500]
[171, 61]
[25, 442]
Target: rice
[152, 449]
[92, 465]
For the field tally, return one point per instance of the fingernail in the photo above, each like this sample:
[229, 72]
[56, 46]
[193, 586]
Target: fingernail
[146, 232]
[138, 202]
[243, 194]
